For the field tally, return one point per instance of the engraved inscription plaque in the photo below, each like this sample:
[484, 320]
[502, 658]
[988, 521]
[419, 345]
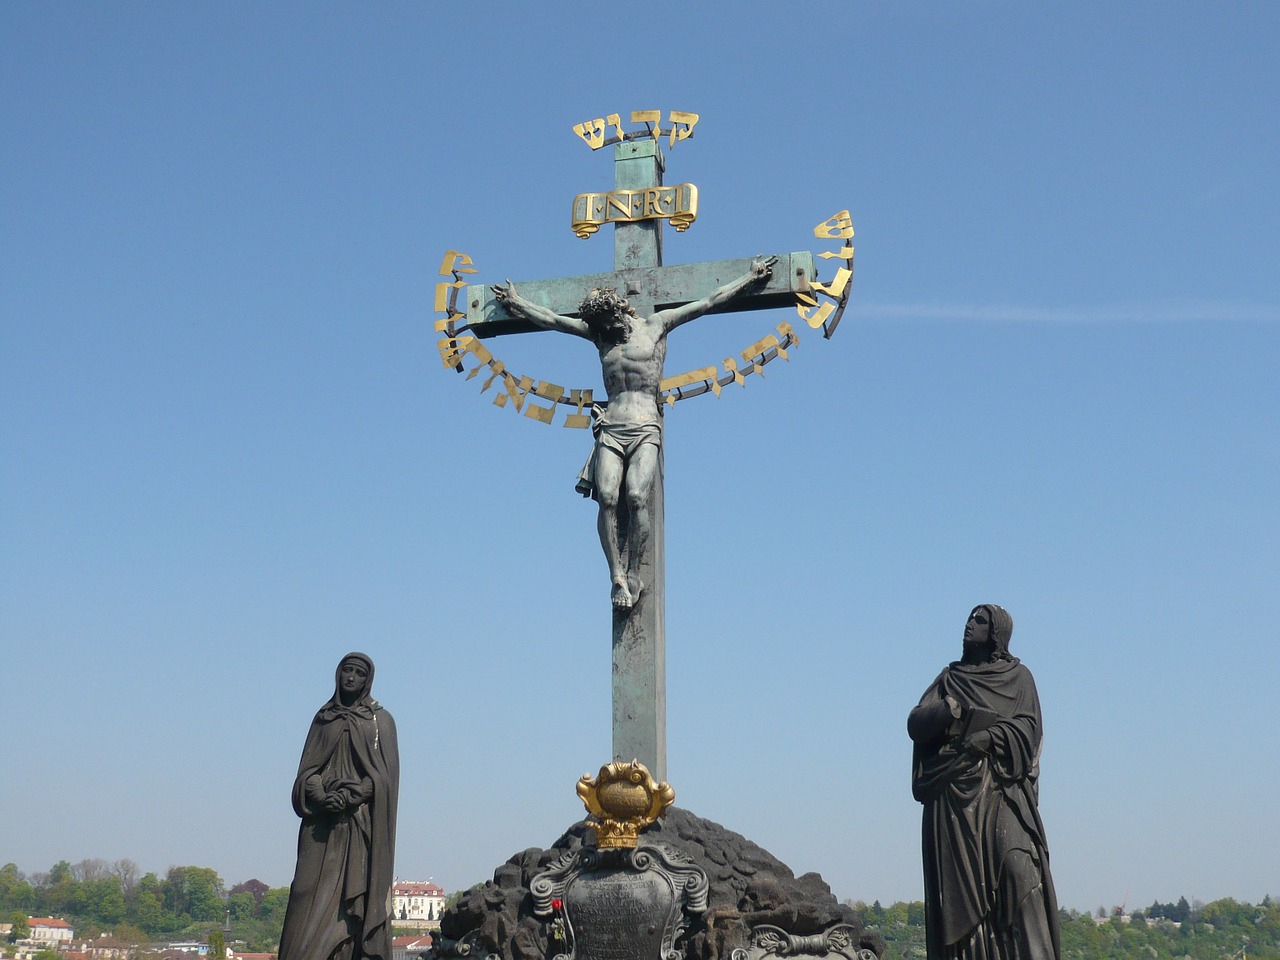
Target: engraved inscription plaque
[619, 914]
[621, 904]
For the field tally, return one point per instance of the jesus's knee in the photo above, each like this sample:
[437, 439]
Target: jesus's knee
[637, 499]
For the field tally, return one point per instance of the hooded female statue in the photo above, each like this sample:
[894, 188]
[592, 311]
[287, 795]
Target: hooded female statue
[976, 762]
[345, 792]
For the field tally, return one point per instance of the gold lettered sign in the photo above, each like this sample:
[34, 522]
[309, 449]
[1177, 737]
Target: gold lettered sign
[595, 132]
[679, 204]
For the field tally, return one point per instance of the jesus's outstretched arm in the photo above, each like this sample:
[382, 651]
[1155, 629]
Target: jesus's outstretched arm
[536, 314]
[761, 270]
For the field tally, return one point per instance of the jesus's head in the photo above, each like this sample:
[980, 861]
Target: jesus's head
[606, 313]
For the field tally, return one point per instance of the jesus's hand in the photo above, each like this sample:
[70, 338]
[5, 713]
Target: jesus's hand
[762, 267]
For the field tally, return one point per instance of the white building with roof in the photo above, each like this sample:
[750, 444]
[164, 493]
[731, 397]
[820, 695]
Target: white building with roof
[417, 904]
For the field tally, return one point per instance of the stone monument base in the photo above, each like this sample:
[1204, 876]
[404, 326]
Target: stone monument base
[756, 906]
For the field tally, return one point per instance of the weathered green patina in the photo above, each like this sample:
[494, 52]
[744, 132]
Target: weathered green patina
[639, 630]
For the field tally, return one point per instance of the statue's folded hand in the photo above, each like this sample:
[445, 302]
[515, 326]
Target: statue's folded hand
[313, 789]
[979, 744]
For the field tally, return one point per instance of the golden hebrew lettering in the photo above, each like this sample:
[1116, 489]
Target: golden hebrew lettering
[651, 119]
[684, 379]
[788, 336]
[836, 287]
[578, 399]
[516, 391]
[844, 253]
[541, 414]
[731, 367]
[496, 369]
[760, 347]
[481, 353]
[443, 300]
[682, 125]
[754, 354]
[501, 399]
[837, 227]
[819, 318]
[452, 257]
[548, 391]
[451, 351]
[592, 132]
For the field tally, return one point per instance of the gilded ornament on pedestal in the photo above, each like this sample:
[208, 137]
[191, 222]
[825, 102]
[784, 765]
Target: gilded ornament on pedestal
[625, 799]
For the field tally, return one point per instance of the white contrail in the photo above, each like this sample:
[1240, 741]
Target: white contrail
[1181, 311]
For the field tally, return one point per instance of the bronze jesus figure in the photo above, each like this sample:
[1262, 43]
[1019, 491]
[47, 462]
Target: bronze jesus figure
[628, 429]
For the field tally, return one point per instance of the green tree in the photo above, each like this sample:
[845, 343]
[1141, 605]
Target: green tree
[149, 911]
[274, 905]
[21, 929]
[102, 900]
[242, 906]
[15, 892]
[194, 893]
[217, 946]
[896, 915]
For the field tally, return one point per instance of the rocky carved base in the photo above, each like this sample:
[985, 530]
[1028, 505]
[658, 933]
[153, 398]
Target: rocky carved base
[755, 905]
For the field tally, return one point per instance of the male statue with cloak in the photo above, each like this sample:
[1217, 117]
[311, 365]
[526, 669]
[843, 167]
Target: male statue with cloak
[345, 792]
[976, 762]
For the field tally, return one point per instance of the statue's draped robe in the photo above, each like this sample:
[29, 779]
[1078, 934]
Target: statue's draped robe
[339, 902]
[988, 891]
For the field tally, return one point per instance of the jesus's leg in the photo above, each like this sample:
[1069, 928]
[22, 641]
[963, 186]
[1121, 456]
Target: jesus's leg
[641, 469]
[608, 481]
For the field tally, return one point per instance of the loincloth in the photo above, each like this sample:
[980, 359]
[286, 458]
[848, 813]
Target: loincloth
[624, 439]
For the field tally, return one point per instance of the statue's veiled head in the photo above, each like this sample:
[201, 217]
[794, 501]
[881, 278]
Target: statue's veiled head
[987, 633]
[606, 313]
[353, 680]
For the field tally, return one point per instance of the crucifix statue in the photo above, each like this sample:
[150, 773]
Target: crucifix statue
[627, 315]
[628, 430]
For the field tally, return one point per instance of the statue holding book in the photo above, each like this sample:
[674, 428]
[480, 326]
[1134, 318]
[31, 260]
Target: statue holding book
[977, 732]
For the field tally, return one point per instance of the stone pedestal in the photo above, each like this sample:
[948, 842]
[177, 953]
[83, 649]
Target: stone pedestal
[748, 891]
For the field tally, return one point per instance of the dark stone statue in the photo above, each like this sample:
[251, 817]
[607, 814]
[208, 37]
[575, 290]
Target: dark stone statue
[346, 792]
[988, 894]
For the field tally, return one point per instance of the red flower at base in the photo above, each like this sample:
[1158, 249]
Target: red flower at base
[557, 904]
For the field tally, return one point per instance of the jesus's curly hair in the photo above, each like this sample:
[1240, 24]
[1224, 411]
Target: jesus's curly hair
[603, 302]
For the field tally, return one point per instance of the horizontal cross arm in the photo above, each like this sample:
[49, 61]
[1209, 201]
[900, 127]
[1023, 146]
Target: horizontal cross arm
[664, 287]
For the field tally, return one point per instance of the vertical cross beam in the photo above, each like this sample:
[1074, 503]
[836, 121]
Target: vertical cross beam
[639, 634]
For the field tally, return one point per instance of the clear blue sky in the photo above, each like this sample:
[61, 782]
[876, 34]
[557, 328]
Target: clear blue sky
[230, 453]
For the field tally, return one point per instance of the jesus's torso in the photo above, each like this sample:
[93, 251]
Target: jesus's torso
[632, 372]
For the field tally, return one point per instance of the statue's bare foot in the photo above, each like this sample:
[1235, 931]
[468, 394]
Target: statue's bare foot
[621, 595]
[637, 588]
